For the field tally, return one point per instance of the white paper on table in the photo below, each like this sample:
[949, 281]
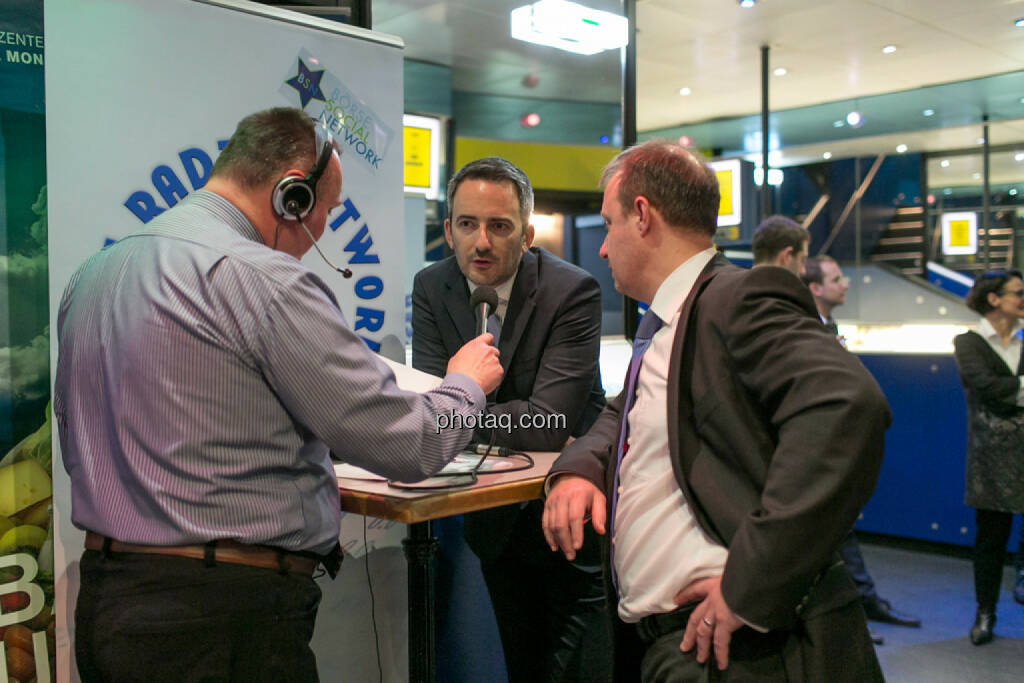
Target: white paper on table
[411, 379]
[347, 471]
[463, 463]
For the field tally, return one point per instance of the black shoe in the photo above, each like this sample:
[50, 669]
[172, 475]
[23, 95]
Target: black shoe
[878, 609]
[876, 638]
[984, 622]
[1018, 589]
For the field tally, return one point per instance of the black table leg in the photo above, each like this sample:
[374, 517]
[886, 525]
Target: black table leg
[420, 547]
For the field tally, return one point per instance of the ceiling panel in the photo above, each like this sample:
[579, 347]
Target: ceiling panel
[831, 48]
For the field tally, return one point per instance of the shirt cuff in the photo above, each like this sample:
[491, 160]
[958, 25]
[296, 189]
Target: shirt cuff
[461, 381]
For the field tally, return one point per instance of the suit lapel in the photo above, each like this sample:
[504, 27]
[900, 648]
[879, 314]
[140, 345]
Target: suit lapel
[683, 441]
[521, 303]
[456, 302]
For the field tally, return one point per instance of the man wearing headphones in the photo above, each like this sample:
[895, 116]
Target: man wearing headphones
[204, 378]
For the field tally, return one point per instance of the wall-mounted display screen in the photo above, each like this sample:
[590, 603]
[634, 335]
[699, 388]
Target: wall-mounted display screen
[421, 151]
[960, 232]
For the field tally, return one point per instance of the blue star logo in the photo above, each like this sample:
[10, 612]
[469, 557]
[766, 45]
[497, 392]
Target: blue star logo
[307, 82]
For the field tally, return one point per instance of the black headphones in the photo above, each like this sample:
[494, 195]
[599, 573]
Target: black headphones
[294, 197]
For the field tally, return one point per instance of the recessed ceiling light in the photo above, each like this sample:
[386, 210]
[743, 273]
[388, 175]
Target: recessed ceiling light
[901, 148]
[684, 91]
[781, 71]
[1013, 192]
[685, 141]
[747, 4]
[928, 112]
[838, 124]
[944, 163]
[888, 49]
[1019, 156]
[947, 191]
[826, 155]
[854, 118]
[1019, 23]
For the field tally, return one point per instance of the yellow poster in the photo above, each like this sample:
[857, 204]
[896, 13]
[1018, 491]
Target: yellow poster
[725, 189]
[416, 143]
[960, 233]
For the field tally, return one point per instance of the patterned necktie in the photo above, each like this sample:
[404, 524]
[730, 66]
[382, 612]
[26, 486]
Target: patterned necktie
[649, 325]
[494, 327]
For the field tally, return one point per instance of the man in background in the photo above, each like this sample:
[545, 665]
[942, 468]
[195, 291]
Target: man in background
[550, 611]
[732, 464]
[779, 241]
[828, 286]
[204, 378]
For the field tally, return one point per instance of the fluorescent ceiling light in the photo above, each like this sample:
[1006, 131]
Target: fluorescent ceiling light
[901, 148]
[569, 26]
[826, 155]
[928, 112]
[684, 91]
[781, 71]
[944, 163]
[888, 49]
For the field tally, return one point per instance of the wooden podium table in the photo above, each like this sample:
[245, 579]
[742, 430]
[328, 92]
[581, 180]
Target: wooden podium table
[416, 508]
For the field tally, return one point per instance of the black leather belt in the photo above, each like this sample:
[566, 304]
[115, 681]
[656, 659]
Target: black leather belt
[654, 626]
[220, 551]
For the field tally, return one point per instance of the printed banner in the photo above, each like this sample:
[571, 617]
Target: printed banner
[27, 627]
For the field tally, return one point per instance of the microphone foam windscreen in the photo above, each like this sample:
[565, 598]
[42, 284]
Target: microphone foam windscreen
[482, 295]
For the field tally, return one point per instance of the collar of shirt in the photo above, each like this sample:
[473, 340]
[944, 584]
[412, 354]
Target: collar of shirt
[227, 212]
[672, 292]
[986, 330]
[504, 291]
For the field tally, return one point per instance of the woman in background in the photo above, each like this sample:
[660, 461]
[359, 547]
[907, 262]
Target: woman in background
[990, 363]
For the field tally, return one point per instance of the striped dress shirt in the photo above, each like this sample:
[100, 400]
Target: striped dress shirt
[204, 379]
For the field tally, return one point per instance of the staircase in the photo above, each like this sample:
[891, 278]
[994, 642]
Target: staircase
[901, 246]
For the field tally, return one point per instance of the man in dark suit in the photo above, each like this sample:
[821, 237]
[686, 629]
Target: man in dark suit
[828, 286]
[723, 503]
[550, 611]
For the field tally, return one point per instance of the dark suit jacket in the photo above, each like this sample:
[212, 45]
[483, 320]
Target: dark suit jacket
[775, 435]
[550, 342]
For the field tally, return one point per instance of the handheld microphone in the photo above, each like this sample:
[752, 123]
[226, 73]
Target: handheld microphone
[484, 302]
[345, 272]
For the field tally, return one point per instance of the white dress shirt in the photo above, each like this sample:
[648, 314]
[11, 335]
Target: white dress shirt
[659, 546]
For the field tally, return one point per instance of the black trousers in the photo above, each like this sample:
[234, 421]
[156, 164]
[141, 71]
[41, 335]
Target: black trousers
[989, 554]
[836, 651]
[158, 618]
[854, 561]
[551, 614]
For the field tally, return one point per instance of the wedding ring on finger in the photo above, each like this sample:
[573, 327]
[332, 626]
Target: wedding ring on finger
[708, 622]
